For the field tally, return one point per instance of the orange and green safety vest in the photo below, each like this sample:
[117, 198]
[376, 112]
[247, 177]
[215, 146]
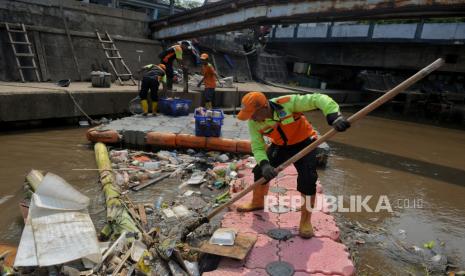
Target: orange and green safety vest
[288, 125]
[172, 52]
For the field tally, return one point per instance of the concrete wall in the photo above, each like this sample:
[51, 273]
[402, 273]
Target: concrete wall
[51, 105]
[80, 16]
[46, 30]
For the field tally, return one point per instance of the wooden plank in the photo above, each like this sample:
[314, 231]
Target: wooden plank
[40, 51]
[160, 178]
[124, 272]
[8, 252]
[123, 261]
[70, 41]
[239, 250]
[142, 215]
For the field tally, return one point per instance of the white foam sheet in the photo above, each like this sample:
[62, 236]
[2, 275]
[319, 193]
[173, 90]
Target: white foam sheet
[55, 193]
[58, 228]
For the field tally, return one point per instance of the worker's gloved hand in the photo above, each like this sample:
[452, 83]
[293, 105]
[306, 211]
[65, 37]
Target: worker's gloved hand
[337, 121]
[267, 170]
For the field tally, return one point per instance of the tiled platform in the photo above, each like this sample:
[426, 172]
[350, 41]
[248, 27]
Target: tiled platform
[232, 128]
[320, 255]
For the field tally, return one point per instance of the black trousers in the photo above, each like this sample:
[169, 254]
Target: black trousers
[169, 75]
[209, 94]
[149, 84]
[306, 166]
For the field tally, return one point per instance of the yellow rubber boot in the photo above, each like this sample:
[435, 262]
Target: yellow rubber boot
[145, 107]
[208, 105]
[306, 228]
[258, 199]
[154, 108]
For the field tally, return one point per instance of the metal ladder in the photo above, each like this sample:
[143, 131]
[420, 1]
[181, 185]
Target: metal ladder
[112, 53]
[20, 28]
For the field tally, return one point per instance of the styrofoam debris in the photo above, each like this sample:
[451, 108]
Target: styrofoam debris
[188, 193]
[181, 211]
[223, 158]
[137, 250]
[196, 178]
[152, 165]
[223, 236]
[169, 213]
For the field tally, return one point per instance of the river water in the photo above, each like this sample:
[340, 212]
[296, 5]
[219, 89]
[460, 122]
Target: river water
[419, 169]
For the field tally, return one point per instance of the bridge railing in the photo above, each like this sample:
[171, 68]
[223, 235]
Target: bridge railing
[449, 33]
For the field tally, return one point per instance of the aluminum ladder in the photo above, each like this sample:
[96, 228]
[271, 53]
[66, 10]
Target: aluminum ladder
[112, 53]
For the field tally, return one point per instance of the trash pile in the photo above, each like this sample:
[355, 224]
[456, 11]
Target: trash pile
[135, 170]
[199, 180]
[427, 259]
[226, 82]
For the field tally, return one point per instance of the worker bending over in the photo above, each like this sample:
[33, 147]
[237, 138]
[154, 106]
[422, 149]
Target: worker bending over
[167, 58]
[152, 76]
[283, 122]
[210, 77]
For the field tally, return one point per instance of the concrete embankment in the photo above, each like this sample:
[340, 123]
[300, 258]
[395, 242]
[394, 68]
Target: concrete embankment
[21, 102]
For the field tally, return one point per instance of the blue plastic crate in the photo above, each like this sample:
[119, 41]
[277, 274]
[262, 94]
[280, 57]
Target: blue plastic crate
[206, 126]
[174, 107]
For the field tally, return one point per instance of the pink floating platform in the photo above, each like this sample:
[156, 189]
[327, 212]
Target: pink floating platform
[318, 256]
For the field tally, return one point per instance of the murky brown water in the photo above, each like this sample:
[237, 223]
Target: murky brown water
[420, 168]
[377, 157]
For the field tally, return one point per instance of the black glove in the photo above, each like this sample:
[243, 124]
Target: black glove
[338, 121]
[267, 170]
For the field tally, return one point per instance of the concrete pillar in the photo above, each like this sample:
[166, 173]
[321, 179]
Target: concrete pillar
[171, 7]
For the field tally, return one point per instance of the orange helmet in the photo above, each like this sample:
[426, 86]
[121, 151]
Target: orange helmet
[204, 56]
[162, 66]
[250, 103]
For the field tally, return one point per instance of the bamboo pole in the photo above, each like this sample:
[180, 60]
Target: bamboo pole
[118, 217]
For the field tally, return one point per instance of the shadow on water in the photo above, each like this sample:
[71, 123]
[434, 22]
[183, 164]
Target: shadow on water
[401, 163]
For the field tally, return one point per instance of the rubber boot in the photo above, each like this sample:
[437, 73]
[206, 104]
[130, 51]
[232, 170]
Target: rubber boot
[145, 107]
[258, 199]
[208, 105]
[306, 228]
[154, 108]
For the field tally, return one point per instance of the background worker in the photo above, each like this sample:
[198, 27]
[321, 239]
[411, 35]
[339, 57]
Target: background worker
[210, 77]
[282, 121]
[152, 76]
[167, 58]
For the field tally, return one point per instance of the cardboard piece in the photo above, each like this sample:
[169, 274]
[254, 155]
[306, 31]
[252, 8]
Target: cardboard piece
[242, 245]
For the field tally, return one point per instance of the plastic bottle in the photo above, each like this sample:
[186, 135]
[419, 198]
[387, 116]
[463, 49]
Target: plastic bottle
[158, 202]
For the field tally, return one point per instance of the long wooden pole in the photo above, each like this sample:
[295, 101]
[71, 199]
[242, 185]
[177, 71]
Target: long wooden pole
[352, 119]
[70, 40]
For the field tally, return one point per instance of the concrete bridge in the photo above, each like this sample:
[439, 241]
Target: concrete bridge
[231, 15]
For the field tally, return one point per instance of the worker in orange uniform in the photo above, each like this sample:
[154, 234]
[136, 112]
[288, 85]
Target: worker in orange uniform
[152, 76]
[167, 58]
[210, 77]
[282, 121]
